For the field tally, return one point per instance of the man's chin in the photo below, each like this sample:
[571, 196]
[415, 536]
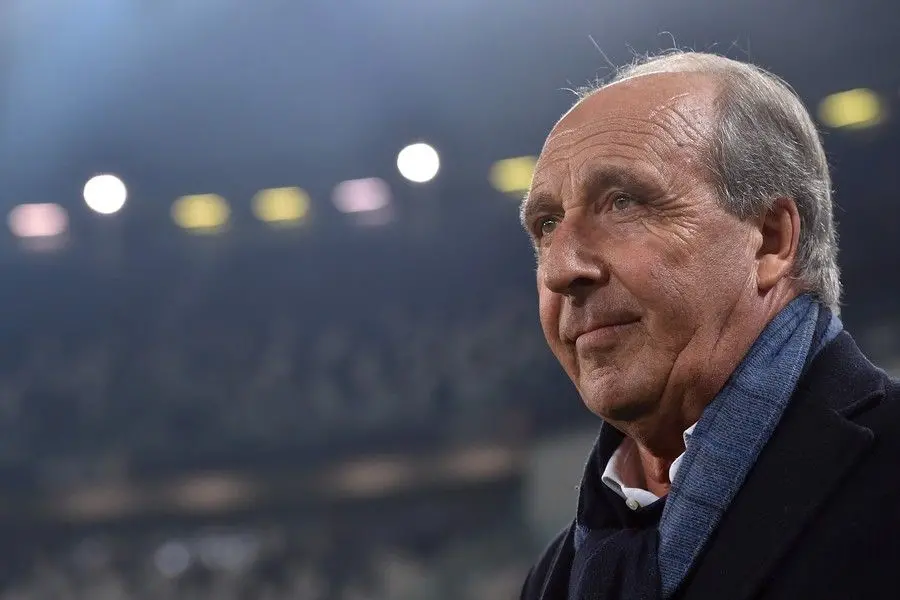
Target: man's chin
[627, 412]
[618, 405]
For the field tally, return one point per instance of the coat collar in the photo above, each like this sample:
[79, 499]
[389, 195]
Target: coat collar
[732, 432]
[556, 584]
[813, 448]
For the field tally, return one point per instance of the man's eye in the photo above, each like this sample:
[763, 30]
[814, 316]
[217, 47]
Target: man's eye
[546, 225]
[622, 201]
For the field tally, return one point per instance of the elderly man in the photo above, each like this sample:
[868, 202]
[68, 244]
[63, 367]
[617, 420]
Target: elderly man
[688, 284]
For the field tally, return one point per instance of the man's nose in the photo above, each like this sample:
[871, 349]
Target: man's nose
[572, 264]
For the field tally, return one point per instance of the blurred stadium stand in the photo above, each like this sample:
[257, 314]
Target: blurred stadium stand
[275, 334]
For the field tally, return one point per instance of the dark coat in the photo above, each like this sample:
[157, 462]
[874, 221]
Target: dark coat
[818, 515]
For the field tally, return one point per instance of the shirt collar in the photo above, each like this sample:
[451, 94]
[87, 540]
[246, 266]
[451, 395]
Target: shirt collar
[622, 472]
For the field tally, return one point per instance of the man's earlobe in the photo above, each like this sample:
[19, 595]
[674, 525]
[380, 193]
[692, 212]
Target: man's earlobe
[780, 230]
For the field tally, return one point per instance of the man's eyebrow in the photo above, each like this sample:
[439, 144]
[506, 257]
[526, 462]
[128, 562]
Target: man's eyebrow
[598, 180]
[610, 176]
[536, 203]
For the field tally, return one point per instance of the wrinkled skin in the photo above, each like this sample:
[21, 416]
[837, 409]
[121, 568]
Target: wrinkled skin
[650, 292]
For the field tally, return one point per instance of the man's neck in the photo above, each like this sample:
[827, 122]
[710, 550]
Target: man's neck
[656, 471]
[660, 438]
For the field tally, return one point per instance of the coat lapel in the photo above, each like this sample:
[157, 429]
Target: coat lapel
[556, 584]
[811, 451]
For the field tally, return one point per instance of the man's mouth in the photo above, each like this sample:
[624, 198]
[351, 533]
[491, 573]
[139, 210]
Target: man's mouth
[604, 334]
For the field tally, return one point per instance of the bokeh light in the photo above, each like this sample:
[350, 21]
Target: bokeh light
[281, 206]
[513, 175]
[418, 163]
[853, 109]
[38, 220]
[361, 195]
[105, 194]
[201, 213]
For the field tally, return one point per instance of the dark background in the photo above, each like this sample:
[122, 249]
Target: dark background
[331, 410]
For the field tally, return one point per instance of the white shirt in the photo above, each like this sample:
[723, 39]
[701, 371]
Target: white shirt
[623, 473]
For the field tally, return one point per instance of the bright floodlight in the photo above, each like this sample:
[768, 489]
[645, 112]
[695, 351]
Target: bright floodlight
[418, 162]
[105, 194]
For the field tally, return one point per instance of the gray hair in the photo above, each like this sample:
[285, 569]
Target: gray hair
[765, 146]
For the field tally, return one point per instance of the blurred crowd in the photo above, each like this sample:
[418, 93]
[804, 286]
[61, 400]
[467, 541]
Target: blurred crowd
[217, 384]
[143, 368]
[277, 562]
[105, 371]
[249, 568]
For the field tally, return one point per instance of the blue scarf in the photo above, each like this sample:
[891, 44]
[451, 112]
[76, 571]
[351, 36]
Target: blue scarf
[732, 431]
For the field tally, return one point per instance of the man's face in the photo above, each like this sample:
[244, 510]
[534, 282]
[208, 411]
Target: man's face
[638, 266]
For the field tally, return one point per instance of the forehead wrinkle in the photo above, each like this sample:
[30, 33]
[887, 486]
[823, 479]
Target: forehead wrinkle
[553, 145]
[673, 120]
[657, 135]
[625, 161]
[670, 116]
[645, 141]
[648, 150]
[671, 103]
[542, 187]
[557, 157]
[587, 157]
[661, 130]
[682, 119]
[541, 183]
[553, 154]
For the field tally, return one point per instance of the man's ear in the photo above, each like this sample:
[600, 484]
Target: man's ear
[780, 230]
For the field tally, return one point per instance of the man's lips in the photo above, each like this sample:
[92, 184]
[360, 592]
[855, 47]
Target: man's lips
[602, 334]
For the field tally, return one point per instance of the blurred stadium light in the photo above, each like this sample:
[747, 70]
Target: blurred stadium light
[418, 163]
[105, 194]
[361, 195]
[202, 213]
[853, 109]
[38, 220]
[281, 206]
[513, 175]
